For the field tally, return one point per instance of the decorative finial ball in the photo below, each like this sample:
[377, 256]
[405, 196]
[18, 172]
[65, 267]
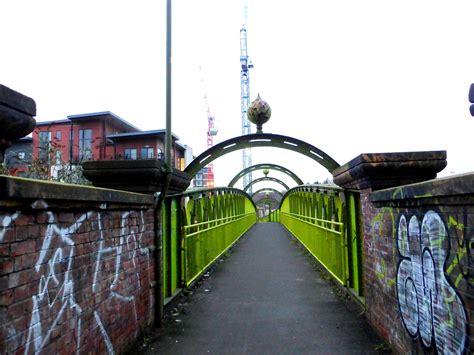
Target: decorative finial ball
[259, 112]
[265, 172]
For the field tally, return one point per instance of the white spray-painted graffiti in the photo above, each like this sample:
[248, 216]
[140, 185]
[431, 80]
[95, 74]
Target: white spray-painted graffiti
[56, 304]
[6, 222]
[430, 307]
[55, 288]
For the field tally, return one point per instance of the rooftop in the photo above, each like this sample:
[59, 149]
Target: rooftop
[134, 132]
[109, 115]
[155, 132]
[47, 123]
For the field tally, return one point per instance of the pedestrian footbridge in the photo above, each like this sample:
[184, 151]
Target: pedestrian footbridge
[264, 296]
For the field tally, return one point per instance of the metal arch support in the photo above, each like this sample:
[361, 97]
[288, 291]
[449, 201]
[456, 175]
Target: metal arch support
[265, 166]
[260, 140]
[263, 200]
[267, 189]
[266, 179]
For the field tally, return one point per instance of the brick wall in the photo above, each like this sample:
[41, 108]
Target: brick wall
[76, 273]
[63, 145]
[419, 264]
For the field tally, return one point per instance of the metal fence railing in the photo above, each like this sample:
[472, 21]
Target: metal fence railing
[323, 218]
[273, 216]
[204, 246]
[198, 228]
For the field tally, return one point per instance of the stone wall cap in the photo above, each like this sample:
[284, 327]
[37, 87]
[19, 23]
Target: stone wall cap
[455, 185]
[17, 101]
[391, 158]
[384, 170]
[23, 188]
[139, 175]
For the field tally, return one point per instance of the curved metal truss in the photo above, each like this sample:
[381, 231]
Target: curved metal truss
[276, 167]
[267, 200]
[265, 189]
[260, 140]
[266, 178]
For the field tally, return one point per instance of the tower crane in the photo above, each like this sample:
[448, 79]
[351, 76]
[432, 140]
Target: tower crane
[245, 65]
[211, 132]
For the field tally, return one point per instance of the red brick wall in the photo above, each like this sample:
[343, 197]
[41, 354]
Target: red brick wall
[75, 279]
[141, 142]
[61, 145]
[419, 266]
[101, 150]
[138, 144]
[97, 138]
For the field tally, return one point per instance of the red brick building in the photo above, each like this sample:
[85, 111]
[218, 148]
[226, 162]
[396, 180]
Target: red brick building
[101, 136]
[147, 145]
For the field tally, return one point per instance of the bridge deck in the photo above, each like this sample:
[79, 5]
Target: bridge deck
[266, 298]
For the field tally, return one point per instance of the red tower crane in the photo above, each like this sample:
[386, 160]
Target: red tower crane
[211, 132]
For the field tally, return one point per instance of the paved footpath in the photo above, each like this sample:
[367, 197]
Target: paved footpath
[265, 298]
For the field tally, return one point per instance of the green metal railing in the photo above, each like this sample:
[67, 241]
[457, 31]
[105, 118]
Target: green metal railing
[199, 227]
[274, 216]
[324, 219]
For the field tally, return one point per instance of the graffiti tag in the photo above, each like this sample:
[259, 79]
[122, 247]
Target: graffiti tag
[429, 305]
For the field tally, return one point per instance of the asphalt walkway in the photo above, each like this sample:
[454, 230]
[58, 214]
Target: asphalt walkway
[265, 298]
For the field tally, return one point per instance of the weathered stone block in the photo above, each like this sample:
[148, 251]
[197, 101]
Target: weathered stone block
[145, 176]
[382, 170]
[17, 101]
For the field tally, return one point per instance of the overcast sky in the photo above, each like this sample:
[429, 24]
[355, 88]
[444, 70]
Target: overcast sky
[349, 77]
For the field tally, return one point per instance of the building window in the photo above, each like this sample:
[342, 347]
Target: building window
[44, 147]
[159, 154]
[130, 153]
[85, 144]
[198, 180]
[146, 153]
[58, 135]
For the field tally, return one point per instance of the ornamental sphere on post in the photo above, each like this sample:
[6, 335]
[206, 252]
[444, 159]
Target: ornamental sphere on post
[259, 112]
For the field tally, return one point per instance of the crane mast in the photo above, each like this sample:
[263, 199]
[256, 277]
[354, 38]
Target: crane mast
[245, 65]
[211, 132]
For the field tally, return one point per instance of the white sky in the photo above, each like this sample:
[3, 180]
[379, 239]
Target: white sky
[347, 76]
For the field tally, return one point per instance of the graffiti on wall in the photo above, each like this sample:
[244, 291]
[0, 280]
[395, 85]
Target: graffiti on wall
[430, 307]
[383, 224]
[85, 291]
[461, 265]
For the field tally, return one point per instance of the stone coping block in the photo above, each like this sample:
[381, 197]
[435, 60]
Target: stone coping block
[15, 189]
[17, 101]
[383, 170]
[457, 189]
[140, 175]
[16, 117]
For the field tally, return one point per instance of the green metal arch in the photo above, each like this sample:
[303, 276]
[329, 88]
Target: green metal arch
[269, 199]
[276, 167]
[267, 189]
[266, 178]
[260, 140]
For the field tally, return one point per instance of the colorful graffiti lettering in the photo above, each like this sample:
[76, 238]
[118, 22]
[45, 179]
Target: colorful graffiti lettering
[461, 266]
[384, 223]
[429, 305]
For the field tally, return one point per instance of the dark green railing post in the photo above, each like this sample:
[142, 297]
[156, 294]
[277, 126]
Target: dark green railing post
[166, 250]
[354, 242]
[175, 245]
